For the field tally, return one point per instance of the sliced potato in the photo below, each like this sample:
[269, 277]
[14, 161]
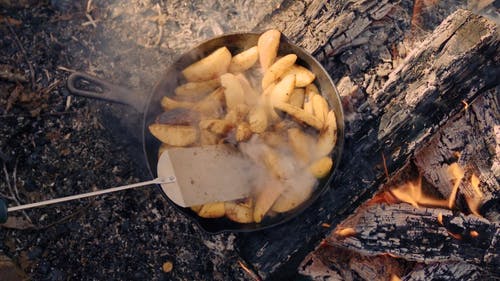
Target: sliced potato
[243, 132]
[233, 91]
[303, 76]
[217, 126]
[321, 167]
[277, 69]
[196, 208]
[295, 194]
[197, 89]
[328, 136]
[208, 138]
[251, 95]
[266, 198]
[275, 164]
[265, 100]
[257, 119]
[237, 114]
[302, 144]
[209, 67]
[320, 107]
[168, 104]
[297, 97]
[244, 60]
[282, 91]
[273, 139]
[267, 45]
[310, 91]
[174, 135]
[238, 212]
[212, 210]
[300, 115]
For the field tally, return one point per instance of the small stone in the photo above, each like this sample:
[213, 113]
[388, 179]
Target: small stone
[167, 266]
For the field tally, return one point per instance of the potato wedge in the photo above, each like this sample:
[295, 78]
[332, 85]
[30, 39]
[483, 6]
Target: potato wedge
[310, 91]
[320, 107]
[282, 91]
[238, 212]
[297, 97]
[212, 210]
[169, 103]
[244, 60]
[208, 138]
[295, 194]
[273, 139]
[301, 144]
[266, 197]
[277, 69]
[209, 67]
[321, 167]
[251, 95]
[243, 132]
[174, 135]
[303, 76]
[300, 115]
[196, 90]
[233, 91]
[328, 136]
[217, 126]
[267, 46]
[257, 119]
[237, 114]
[196, 208]
[162, 149]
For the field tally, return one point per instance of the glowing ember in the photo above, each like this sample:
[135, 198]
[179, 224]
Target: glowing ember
[440, 218]
[457, 175]
[345, 232]
[394, 277]
[474, 234]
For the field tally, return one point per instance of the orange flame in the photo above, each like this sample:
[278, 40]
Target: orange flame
[411, 193]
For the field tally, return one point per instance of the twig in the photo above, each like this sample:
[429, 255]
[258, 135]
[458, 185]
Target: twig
[66, 69]
[91, 20]
[12, 192]
[23, 51]
[65, 218]
[249, 271]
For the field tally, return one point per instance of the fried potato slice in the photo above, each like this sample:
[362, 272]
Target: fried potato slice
[267, 46]
[238, 212]
[257, 119]
[209, 67]
[320, 107]
[321, 167]
[243, 132]
[233, 91]
[212, 210]
[217, 126]
[310, 91]
[196, 90]
[196, 208]
[163, 148]
[169, 103]
[208, 138]
[300, 115]
[244, 60]
[283, 90]
[251, 95]
[295, 194]
[297, 97]
[328, 136]
[174, 135]
[273, 139]
[211, 106]
[237, 114]
[267, 195]
[277, 69]
[301, 144]
[303, 76]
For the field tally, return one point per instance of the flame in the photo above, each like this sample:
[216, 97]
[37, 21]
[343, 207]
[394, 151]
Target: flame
[411, 193]
[345, 232]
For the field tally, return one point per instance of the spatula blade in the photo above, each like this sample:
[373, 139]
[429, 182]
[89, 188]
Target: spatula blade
[205, 174]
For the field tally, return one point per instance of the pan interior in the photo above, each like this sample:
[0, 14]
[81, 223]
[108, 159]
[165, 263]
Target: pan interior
[237, 43]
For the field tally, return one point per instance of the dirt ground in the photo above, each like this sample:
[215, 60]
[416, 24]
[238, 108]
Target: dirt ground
[53, 144]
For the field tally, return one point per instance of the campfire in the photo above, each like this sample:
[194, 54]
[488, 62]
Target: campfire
[416, 195]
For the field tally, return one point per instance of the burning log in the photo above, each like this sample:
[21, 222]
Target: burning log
[425, 235]
[456, 271]
[420, 95]
[458, 154]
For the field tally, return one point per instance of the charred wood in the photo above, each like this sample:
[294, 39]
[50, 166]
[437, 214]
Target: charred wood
[455, 271]
[425, 235]
[419, 96]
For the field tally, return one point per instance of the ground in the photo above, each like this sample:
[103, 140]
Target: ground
[53, 144]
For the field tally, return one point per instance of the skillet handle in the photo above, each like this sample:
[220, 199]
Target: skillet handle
[107, 91]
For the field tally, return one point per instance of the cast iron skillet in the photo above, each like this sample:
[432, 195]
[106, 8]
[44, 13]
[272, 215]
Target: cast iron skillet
[172, 78]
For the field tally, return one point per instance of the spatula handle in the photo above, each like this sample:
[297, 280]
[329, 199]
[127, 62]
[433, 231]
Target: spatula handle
[4, 210]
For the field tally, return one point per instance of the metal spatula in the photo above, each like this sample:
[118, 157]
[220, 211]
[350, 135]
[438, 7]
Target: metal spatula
[189, 176]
